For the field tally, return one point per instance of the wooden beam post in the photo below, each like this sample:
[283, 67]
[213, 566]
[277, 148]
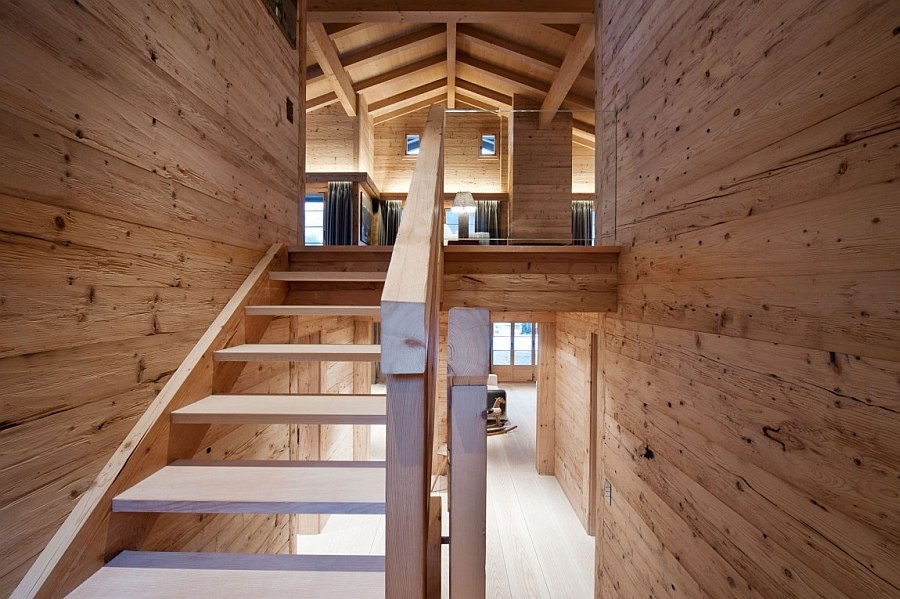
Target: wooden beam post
[545, 445]
[451, 65]
[468, 364]
[578, 52]
[326, 54]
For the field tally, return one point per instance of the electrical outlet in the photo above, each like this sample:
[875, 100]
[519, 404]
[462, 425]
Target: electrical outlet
[607, 492]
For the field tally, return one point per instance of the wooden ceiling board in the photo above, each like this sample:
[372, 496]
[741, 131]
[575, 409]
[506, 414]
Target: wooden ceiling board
[372, 35]
[377, 66]
[401, 84]
[408, 97]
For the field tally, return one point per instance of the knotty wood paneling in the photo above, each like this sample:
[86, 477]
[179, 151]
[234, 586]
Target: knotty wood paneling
[751, 372]
[146, 163]
[464, 168]
[336, 142]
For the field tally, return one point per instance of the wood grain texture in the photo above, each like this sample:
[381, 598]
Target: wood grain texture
[464, 169]
[283, 409]
[254, 489]
[135, 203]
[751, 369]
[320, 352]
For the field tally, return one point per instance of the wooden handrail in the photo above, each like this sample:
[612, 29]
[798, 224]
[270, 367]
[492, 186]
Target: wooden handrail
[92, 533]
[415, 264]
[409, 334]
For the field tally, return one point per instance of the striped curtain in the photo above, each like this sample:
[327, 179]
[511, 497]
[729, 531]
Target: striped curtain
[391, 212]
[582, 222]
[487, 219]
[339, 214]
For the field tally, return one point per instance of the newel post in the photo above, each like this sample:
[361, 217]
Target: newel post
[468, 362]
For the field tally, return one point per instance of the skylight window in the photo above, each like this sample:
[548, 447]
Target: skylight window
[412, 145]
[488, 145]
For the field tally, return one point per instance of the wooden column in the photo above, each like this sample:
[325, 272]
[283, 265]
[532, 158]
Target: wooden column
[468, 364]
[545, 444]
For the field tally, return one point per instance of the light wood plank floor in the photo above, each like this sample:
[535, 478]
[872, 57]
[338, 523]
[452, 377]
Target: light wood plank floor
[536, 547]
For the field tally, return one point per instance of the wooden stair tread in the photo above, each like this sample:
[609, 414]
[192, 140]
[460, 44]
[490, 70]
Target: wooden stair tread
[307, 275]
[284, 409]
[146, 574]
[298, 352]
[279, 487]
[288, 310]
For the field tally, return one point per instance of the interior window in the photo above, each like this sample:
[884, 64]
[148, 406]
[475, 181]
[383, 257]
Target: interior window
[314, 219]
[412, 144]
[488, 145]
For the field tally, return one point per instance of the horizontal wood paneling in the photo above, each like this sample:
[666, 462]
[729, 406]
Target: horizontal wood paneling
[752, 372]
[146, 163]
[464, 168]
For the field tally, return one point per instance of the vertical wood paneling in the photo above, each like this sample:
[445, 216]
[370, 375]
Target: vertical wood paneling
[751, 371]
[146, 162]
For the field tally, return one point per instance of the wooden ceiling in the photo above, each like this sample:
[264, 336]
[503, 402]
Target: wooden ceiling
[401, 56]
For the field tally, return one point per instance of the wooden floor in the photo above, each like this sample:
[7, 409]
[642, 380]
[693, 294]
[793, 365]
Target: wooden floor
[536, 547]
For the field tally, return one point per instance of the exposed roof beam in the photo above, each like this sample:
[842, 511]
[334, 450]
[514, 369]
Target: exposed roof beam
[391, 47]
[484, 94]
[535, 58]
[321, 101]
[443, 11]
[341, 30]
[409, 108]
[451, 65]
[462, 98]
[582, 47]
[410, 69]
[583, 133]
[407, 97]
[326, 54]
[521, 82]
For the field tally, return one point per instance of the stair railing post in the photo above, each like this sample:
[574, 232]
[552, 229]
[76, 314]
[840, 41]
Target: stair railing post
[468, 362]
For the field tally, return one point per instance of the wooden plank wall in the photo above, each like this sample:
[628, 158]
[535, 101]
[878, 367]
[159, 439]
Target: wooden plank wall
[582, 169]
[753, 367]
[336, 142]
[572, 408]
[146, 163]
[464, 169]
[541, 186]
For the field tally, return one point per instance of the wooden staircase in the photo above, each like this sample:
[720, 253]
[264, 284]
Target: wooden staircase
[160, 467]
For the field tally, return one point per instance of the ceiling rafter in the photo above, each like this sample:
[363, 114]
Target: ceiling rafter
[404, 71]
[377, 108]
[579, 50]
[535, 58]
[517, 80]
[393, 46]
[484, 94]
[451, 65]
[434, 99]
[326, 54]
[321, 102]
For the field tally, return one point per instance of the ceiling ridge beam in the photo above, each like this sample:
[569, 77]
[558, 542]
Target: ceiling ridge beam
[451, 65]
[579, 51]
[326, 54]
[392, 15]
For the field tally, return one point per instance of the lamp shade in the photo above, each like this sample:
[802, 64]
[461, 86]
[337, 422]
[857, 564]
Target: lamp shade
[463, 202]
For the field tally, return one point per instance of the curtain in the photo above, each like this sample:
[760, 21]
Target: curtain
[391, 211]
[487, 219]
[582, 222]
[339, 214]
